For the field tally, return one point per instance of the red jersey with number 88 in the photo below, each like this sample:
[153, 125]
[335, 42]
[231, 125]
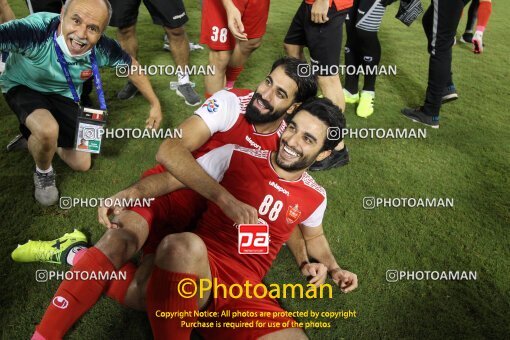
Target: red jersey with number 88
[250, 177]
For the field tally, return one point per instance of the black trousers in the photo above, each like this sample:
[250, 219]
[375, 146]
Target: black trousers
[440, 23]
[53, 6]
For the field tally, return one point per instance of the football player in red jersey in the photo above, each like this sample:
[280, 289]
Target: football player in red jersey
[233, 30]
[243, 118]
[287, 197]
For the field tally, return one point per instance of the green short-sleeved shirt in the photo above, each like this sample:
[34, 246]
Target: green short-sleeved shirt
[33, 61]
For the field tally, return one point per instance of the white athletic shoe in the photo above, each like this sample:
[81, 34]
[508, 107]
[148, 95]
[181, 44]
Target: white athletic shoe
[46, 192]
[478, 42]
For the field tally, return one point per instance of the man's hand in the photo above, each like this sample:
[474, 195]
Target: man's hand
[235, 23]
[143, 84]
[320, 11]
[238, 211]
[346, 280]
[317, 271]
[155, 117]
[104, 212]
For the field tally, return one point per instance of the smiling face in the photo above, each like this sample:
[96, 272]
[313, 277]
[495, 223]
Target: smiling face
[302, 143]
[273, 98]
[82, 24]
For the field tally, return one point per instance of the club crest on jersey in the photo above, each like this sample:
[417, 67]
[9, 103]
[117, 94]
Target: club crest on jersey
[211, 105]
[85, 74]
[293, 214]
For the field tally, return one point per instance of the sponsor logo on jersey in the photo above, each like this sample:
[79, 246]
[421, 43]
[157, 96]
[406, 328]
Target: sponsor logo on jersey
[252, 152]
[60, 302]
[279, 188]
[253, 239]
[293, 214]
[85, 74]
[252, 143]
[211, 105]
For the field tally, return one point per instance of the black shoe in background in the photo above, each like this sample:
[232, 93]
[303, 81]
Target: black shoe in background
[335, 160]
[417, 115]
[466, 37]
[449, 94]
[17, 143]
[128, 92]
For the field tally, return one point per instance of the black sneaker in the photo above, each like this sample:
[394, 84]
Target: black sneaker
[189, 94]
[18, 143]
[128, 92]
[335, 160]
[449, 94]
[417, 115]
[166, 43]
[466, 37]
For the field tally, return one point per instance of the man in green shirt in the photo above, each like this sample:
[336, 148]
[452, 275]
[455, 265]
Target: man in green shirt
[43, 99]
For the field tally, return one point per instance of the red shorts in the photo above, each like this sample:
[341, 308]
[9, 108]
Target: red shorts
[175, 212]
[228, 274]
[215, 32]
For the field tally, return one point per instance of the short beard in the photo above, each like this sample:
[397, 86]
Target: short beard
[253, 115]
[297, 166]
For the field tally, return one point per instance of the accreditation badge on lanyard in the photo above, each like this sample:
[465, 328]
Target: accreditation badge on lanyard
[90, 122]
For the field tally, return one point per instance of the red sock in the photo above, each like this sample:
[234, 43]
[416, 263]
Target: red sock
[162, 295]
[484, 13]
[74, 297]
[233, 73]
[118, 288]
[207, 95]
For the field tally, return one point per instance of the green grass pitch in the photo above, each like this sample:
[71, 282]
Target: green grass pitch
[466, 159]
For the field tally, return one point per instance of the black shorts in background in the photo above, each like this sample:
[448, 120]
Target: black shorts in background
[23, 101]
[168, 13]
[324, 41]
[53, 6]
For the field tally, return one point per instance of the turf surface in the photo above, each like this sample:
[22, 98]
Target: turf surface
[466, 159]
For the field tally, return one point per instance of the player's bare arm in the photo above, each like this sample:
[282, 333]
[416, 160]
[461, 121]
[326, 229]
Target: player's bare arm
[175, 155]
[235, 23]
[148, 187]
[318, 248]
[320, 11]
[143, 84]
[6, 13]
[297, 246]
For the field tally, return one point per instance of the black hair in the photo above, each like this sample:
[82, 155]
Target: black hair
[307, 85]
[330, 114]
